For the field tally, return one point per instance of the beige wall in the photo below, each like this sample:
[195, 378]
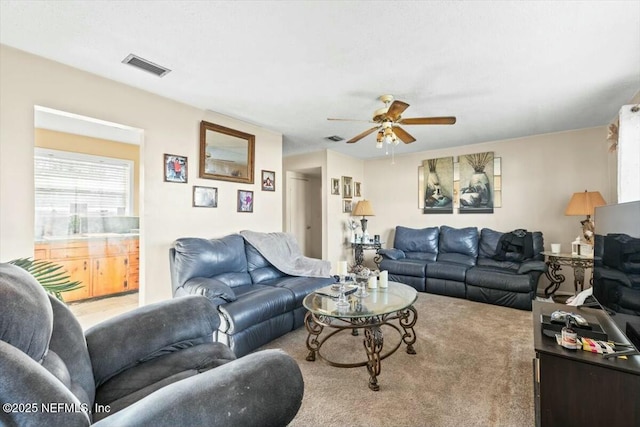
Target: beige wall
[54, 140]
[339, 165]
[539, 175]
[169, 127]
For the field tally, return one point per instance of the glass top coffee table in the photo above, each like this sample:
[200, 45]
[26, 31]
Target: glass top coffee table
[382, 307]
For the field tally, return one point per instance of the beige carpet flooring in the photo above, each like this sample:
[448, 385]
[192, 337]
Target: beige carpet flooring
[473, 367]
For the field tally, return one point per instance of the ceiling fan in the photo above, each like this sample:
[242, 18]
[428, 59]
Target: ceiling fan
[388, 120]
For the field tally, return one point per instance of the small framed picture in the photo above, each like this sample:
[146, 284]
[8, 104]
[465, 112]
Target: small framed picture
[346, 206]
[356, 189]
[175, 168]
[205, 197]
[335, 186]
[245, 201]
[268, 181]
[347, 190]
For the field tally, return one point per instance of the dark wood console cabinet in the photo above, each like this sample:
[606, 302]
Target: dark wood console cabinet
[578, 388]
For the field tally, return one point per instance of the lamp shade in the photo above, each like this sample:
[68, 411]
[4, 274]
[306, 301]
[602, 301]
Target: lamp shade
[363, 208]
[584, 203]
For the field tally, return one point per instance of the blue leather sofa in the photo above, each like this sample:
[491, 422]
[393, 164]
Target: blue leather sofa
[465, 263]
[256, 302]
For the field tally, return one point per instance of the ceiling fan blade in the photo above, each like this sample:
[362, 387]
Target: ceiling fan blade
[396, 109]
[352, 120]
[403, 135]
[428, 121]
[362, 135]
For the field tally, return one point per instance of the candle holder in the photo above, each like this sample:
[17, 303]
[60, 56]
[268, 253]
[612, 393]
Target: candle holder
[362, 282]
[342, 303]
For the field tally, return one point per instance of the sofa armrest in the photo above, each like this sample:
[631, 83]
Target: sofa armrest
[213, 289]
[394, 254]
[260, 389]
[611, 274]
[529, 266]
[146, 332]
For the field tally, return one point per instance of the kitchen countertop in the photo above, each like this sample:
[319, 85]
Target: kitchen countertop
[87, 236]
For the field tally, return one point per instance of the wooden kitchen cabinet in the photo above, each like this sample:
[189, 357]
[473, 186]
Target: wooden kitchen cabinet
[134, 264]
[109, 275]
[79, 270]
[104, 266]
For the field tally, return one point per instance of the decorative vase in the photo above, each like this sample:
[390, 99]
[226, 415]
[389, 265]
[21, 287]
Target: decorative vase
[433, 181]
[480, 183]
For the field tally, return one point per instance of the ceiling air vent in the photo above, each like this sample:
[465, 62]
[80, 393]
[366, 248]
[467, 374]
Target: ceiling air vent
[334, 138]
[145, 65]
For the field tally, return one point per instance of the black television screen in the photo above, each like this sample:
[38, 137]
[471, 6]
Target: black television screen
[616, 275]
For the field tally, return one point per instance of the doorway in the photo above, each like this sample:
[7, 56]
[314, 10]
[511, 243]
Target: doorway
[87, 201]
[303, 210]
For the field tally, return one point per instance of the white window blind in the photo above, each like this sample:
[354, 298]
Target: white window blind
[78, 183]
[629, 154]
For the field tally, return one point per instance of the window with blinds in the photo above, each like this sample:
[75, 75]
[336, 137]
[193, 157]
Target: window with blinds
[74, 183]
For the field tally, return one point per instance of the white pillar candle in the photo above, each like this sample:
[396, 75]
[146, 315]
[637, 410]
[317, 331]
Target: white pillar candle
[342, 268]
[384, 279]
[373, 282]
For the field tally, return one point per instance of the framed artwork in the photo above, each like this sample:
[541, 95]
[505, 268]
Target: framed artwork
[347, 187]
[268, 180]
[438, 185]
[175, 168]
[245, 201]
[205, 197]
[497, 182]
[335, 186]
[226, 154]
[456, 185]
[356, 189]
[476, 183]
[346, 206]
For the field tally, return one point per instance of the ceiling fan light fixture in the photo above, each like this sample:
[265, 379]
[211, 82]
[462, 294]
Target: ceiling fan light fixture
[379, 138]
[390, 118]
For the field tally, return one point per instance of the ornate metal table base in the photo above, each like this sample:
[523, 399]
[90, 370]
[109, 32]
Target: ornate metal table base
[373, 337]
[359, 248]
[555, 263]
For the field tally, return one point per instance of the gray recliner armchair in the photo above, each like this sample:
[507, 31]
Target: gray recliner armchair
[154, 366]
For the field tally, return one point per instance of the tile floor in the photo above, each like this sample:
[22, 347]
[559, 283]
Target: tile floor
[92, 312]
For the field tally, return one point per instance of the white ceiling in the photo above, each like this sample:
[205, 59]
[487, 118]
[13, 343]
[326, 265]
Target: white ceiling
[505, 69]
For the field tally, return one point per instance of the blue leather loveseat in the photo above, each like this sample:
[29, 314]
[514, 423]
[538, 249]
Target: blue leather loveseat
[487, 266]
[256, 302]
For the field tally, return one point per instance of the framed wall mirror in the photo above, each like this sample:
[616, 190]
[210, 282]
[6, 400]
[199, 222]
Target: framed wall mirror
[226, 154]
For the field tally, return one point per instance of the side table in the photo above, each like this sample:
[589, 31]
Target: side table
[359, 248]
[555, 261]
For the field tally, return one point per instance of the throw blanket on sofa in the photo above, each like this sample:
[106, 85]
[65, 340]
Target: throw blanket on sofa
[282, 250]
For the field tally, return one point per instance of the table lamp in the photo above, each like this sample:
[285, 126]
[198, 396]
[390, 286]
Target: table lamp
[364, 209]
[584, 203]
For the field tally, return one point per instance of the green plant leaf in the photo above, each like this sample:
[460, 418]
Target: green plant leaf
[53, 277]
